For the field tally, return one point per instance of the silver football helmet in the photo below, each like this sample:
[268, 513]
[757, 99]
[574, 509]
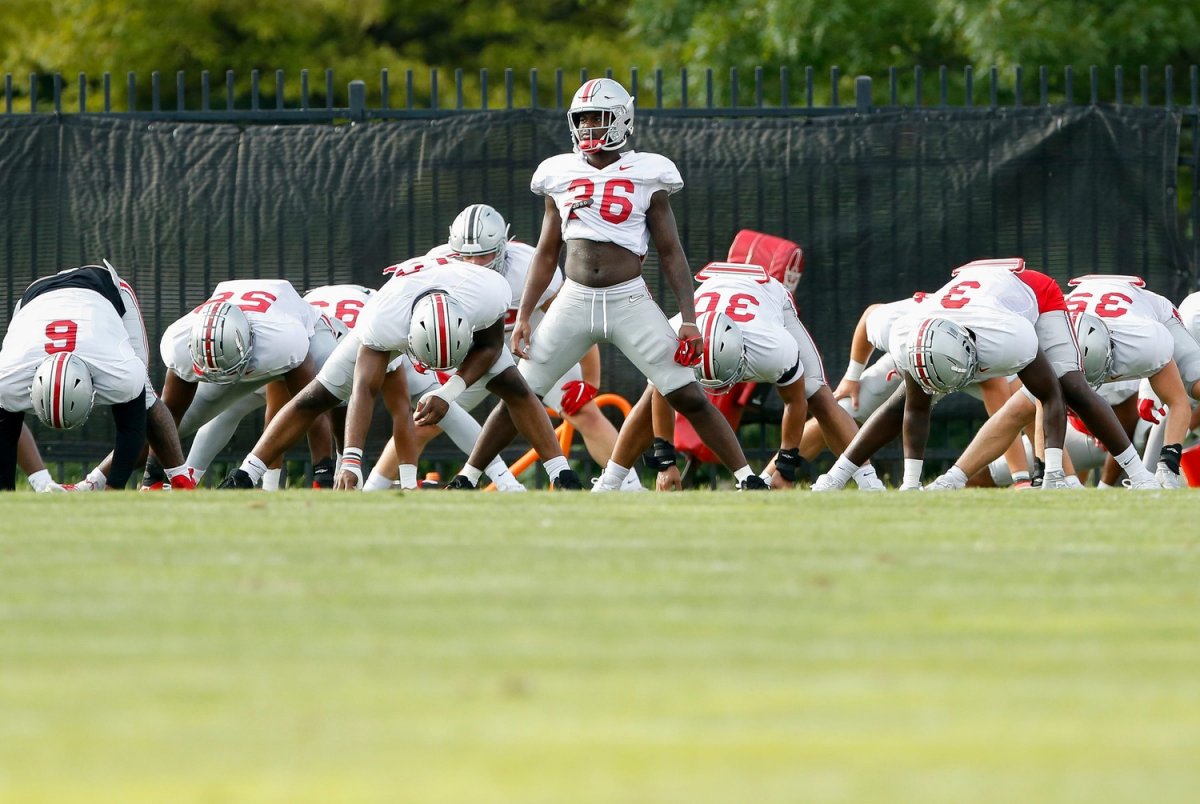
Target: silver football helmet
[942, 356]
[724, 359]
[221, 342]
[479, 230]
[62, 392]
[1095, 346]
[608, 97]
[439, 335]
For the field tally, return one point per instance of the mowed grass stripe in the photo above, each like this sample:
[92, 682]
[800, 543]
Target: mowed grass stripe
[986, 646]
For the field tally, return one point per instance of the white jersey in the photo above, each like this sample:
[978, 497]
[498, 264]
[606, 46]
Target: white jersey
[343, 302]
[483, 294]
[517, 258]
[758, 308]
[76, 320]
[1113, 299]
[1189, 314]
[879, 322]
[281, 321]
[607, 204]
[983, 292]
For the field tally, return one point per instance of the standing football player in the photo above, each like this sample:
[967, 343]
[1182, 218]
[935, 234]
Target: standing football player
[604, 206]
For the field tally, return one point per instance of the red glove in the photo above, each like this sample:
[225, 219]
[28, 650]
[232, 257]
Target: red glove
[576, 394]
[1151, 412]
[1077, 423]
[691, 349]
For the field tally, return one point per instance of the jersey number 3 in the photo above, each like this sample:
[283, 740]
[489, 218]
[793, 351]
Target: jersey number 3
[616, 203]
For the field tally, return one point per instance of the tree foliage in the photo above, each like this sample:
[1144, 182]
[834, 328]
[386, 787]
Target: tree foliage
[358, 38]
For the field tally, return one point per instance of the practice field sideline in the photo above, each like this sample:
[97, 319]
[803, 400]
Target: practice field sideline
[698, 647]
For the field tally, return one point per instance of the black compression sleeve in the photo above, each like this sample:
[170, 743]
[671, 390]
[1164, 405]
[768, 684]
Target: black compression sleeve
[130, 418]
[10, 434]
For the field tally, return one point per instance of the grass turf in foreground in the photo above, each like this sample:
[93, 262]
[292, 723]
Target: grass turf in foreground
[701, 647]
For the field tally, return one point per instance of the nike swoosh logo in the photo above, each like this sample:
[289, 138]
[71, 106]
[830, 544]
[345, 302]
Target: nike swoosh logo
[624, 167]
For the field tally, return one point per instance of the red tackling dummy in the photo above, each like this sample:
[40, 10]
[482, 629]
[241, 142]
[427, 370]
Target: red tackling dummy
[782, 259]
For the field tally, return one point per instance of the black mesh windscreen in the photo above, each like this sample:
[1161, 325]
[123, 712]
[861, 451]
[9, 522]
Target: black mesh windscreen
[884, 204]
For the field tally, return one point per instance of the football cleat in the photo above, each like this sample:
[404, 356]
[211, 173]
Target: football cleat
[827, 483]
[158, 485]
[184, 482]
[155, 477]
[753, 483]
[1056, 479]
[942, 483]
[600, 487]
[909, 487]
[237, 479]
[872, 483]
[567, 480]
[461, 483]
[323, 474]
[1147, 483]
[1168, 479]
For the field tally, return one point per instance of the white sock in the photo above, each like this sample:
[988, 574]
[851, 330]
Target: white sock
[472, 474]
[254, 467]
[270, 479]
[377, 481]
[614, 475]
[912, 471]
[97, 479]
[177, 471]
[865, 472]
[408, 476]
[957, 476]
[843, 469]
[741, 474]
[1131, 462]
[631, 481]
[1053, 460]
[497, 470]
[555, 465]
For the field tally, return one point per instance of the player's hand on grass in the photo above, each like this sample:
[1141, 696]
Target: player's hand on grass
[778, 481]
[348, 480]
[668, 480]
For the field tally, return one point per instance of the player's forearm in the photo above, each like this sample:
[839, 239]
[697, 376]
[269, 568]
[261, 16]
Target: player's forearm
[679, 280]
[541, 271]
[130, 419]
[368, 378]
[662, 416]
[860, 347]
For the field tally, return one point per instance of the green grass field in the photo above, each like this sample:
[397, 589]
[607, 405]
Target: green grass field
[702, 647]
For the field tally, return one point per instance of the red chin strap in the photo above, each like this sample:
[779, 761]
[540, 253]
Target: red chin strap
[590, 146]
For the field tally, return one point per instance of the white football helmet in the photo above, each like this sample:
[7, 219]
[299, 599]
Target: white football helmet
[439, 335]
[62, 392]
[221, 342]
[479, 230]
[1095, 345]
[942, 356]
[608, 97]
[724, 359]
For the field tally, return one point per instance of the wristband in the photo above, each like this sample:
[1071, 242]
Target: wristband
[660, 456]
[352, 458]
[450, 391]
[787, 461]
[854, 370]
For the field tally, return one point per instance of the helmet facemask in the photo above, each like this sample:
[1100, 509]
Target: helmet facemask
[723, 362]
[942, 356]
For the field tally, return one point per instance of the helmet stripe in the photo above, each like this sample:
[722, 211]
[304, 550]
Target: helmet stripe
[589, 88]
[710, 369]
[58, 389]
[472, 234]
[210, 337]
[919, 364]
[443, 331]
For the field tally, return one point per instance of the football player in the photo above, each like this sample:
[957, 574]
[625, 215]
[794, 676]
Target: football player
[604, 206]
[752, 331]
[70, 345]
[446, 314]
[340, 305]
[981, 325]
[1087, 338]
[480, 233]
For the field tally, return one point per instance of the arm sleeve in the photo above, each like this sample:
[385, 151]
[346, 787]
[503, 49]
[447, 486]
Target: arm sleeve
[130, 418]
